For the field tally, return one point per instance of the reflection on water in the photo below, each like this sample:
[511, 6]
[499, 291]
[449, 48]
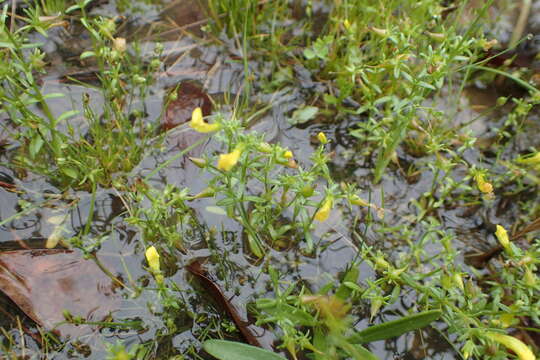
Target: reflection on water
[59, 279]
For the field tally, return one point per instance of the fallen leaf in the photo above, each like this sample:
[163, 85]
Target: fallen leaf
[45, 283]
[248, 330]
[188, 97]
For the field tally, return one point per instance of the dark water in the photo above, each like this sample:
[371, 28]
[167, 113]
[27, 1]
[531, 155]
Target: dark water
[214, 68]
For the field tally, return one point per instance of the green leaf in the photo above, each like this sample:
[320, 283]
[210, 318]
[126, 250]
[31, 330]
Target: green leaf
[309, 53]
[395, 328]
[295, 315]
[230, 350]
[55, 95]
[87, 54]
[349, 282]
[255, 246]
[255, 199]
[71, 172]
[426, 85]
[4, 44]
[365, 353]
[66, 115]
[35, 145]
[303, 115]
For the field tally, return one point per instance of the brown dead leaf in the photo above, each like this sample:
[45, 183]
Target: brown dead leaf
[44, 283]
[188, 97]
[254, 335]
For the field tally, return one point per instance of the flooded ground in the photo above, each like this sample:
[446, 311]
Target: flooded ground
[125, 294]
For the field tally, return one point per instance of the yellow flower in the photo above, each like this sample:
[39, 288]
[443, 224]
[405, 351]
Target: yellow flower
[502, 236]
[227, 161]
[322, 138]
[323, 213]
[514, 344]
[288, 154]
[152, 257]
[483, 185]
[197, 123]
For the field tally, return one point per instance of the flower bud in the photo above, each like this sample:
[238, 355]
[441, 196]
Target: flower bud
[322, 138]
[264, 148]
[201, 163]
[307, 191]
[458, 280]
[208, 192]
[502, 236]
[356, 200]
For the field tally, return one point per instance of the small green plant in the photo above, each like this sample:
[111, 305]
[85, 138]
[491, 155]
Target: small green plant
[264, 189]
[113, 139]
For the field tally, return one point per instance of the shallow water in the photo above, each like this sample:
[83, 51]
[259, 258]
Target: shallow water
[215, 68]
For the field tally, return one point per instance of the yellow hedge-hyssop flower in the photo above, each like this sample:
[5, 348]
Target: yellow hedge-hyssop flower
[152, 257]
[197, 123]
[514, 344]
[288, 154]
[323, 213]
[483, 185]
[322, 138]
[227, 161]
[502, 236]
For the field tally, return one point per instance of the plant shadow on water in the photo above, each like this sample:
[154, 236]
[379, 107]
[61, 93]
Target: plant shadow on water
[107, 222]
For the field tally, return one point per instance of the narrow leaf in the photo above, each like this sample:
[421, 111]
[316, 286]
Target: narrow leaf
[395, 328]
[230, 350]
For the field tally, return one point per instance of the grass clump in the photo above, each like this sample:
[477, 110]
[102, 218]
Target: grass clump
[106, 142]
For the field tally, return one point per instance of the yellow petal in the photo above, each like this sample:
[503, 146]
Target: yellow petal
[514, 344]
[323, 213]
[152, 257]
[322, 138]
[288, 154]
[227, 161]
[502, 236]
[197, 123]
[483, 185]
